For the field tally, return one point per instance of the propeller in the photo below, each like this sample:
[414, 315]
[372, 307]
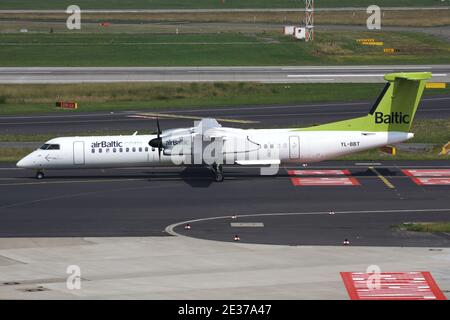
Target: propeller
[157, 142]
[159, 128]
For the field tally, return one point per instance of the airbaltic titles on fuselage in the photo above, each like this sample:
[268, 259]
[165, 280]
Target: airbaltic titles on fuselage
[106, 144]
[174, 142]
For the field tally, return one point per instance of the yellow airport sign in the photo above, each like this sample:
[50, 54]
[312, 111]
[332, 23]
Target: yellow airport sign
[436, 85]
[389, 150]
[373, 43]
[365, 40]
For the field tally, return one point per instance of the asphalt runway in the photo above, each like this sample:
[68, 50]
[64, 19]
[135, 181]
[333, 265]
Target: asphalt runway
[270, 74]
[145, 202]
[437, 107]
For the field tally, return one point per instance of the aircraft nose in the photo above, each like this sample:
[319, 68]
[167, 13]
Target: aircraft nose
[24, 162]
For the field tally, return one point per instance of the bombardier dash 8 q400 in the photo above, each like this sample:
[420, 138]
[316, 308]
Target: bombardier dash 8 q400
[209, 144]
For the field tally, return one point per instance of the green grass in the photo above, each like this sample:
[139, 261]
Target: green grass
[425, 226]
[41, 98]
[26, 99]
[13, 154]
[116, 49]
[431, 131]
[376, 155]
[189, 4]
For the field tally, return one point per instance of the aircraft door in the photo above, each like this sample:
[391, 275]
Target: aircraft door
[294, 147]
[78, 153]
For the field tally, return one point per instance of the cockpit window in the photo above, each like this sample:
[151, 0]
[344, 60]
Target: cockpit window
[50, 147]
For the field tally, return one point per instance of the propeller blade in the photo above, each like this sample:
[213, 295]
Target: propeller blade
[159, 134]
[159, 128]
[157, 143]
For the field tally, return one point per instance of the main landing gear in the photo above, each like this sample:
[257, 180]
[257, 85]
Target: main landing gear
[40, 175]
[218, 172]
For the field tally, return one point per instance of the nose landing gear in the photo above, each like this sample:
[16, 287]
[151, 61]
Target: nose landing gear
[218, 172]
[40, 175]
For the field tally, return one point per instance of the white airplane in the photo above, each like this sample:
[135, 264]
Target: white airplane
[208, 143]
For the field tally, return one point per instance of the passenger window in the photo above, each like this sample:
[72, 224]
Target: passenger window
[271, 146]
[140, 149]
[265, 146]
[134, 149]
[107, 150]
[114, 149]
[100, 150]
[93, 150]
[128, 149]
[120, 150]
[146, 149]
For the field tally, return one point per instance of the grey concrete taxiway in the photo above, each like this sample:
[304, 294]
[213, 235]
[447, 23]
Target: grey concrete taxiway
[285, 74]
[186, 268]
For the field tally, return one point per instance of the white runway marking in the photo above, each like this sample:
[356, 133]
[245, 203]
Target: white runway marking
[170, 229]
[349, 75]
[382, 68]
[247, 224]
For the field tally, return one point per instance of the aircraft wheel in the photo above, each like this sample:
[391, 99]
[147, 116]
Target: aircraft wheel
[219, 177]
[217, 169]
[39, 175]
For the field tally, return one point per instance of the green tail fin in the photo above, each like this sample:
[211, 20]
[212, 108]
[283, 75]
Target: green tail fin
[394, 110]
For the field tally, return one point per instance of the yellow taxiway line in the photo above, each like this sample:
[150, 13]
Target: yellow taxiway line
[382, 178]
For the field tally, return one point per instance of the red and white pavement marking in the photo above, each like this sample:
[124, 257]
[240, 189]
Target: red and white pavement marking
[429, 177]
[431, 181]
[347, 181]
[427, 172]
[418, 285]
[318, 172]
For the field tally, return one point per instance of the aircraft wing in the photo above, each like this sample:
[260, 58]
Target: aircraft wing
[258, 162]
